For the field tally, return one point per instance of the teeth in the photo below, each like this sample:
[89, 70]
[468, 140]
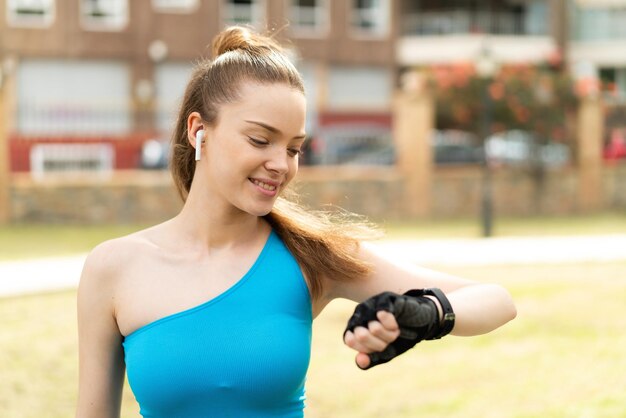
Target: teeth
[264, 185]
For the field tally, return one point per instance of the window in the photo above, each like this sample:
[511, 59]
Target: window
[536, 18]
[370, 17]
[33, 13]
[242, 12]
[175, 6]
[104, 14]
[71, 159]
[359, 88]
[170, 80]
[598, 23]
[613, 81]
[59, 97]
[309, 72]
[309, 16]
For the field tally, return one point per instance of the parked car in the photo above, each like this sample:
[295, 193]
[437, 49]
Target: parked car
[452, 146]
[518, 148]
[615, 149]
[357, 144]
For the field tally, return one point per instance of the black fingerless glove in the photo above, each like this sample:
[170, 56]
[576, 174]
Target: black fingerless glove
[417, 317]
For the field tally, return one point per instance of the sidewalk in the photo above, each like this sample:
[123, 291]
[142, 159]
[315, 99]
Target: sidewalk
[512, 250]
[40, 275]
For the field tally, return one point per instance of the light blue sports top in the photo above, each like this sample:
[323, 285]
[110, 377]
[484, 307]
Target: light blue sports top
[244, 353]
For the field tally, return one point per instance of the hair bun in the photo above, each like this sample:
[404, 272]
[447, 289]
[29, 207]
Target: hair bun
[239, 37]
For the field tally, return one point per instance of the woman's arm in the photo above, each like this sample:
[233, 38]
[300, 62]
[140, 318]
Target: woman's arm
[479, 307]
[101, 357]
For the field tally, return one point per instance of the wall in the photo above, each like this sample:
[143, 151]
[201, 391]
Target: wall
[457, 192]
[149, 197]
[126, 197]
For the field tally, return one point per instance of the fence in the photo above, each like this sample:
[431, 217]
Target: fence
[73, 118]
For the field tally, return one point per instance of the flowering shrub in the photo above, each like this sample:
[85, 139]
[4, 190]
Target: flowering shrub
[541, 99]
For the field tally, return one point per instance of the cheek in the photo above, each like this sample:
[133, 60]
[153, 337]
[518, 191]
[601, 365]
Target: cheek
[223, 158]
[221, 170]
[293, 169]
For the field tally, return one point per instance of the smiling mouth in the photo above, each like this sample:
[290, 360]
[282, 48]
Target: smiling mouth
[265, 186]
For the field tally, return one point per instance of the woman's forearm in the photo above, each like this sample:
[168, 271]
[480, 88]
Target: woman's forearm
[480, 308]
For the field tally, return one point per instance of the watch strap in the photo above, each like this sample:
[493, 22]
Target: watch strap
[447, 323]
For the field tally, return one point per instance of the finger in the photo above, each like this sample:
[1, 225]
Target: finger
[378, 330]
[388, 320]
[351, 341]
[362, 361]
[367, 341]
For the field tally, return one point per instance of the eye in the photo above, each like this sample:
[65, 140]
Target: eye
[294, 151]
[257, 142]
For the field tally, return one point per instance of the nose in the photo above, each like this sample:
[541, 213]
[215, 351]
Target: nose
[278, 162]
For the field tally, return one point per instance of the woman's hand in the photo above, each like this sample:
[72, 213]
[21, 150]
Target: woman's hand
[375, 338]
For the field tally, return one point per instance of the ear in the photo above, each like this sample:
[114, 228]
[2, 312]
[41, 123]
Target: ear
[194, 124]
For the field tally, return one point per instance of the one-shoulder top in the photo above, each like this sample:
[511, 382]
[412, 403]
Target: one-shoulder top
[244, 353]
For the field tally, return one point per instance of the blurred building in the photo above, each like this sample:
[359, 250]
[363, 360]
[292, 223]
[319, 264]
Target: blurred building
[516, 31]
[114, 70]
[101, 77]
[597, 41]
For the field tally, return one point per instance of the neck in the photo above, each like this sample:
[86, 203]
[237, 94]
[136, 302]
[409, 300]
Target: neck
[208, 222]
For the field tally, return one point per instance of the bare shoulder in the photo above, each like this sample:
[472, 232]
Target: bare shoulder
[107, 262]
[109, 256]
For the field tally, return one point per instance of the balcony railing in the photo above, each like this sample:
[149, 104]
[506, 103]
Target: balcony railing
[464, 22]
[598, 24]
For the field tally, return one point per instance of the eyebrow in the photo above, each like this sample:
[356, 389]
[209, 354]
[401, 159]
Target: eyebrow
[272, 129]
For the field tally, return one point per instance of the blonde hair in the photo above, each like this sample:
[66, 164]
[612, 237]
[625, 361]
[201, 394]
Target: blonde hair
[324, 244]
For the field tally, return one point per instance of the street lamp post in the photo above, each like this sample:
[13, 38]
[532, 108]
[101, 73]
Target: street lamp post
[486, 68]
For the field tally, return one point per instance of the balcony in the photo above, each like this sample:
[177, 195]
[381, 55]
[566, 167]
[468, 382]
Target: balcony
[459, 21]
[514, 34]
[592, 24]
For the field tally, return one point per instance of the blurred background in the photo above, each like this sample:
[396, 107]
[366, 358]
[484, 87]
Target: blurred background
[415, 108]
[440, 119]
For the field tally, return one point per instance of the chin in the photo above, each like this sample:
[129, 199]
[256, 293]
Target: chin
[260, 211]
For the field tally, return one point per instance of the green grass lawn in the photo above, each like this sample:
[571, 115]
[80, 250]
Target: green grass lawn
[43, 240]
[606, 223]
[40, 240]
[562, 357]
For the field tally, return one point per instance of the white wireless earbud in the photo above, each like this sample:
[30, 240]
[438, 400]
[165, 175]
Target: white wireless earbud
[199, 136]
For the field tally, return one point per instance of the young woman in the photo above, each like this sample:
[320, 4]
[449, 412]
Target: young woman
[210, 313]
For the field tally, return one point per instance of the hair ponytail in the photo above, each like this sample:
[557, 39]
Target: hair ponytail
[324, 243]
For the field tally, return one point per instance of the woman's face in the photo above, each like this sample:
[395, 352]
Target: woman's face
[252, 150]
